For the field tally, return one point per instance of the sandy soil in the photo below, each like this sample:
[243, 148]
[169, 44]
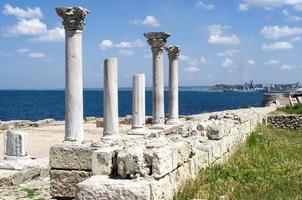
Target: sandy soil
[40, 139]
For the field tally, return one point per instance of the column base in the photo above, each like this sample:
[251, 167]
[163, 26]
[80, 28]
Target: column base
[137, 131]
[173, 122]
[110, 138]
[8, 158]
[160, 126]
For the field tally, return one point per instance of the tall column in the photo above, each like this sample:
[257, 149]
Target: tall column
[173, 54]
[73, 21]
[138, 104]
[110, 98]
[157, 41]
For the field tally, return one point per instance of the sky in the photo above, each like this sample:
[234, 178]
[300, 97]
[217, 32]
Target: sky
[221, 41]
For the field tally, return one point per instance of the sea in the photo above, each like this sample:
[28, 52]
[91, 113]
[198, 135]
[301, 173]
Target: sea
[42, 104]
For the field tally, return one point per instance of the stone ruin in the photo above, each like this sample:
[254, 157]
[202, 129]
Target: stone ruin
[146, 162]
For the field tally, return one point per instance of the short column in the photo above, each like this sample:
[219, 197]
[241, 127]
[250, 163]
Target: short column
[110, 98]
[157, 41]
[15, 145]
[73, 21]
[173, 54]
[138, 105]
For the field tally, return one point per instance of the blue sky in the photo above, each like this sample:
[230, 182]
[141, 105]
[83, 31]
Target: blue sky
[222, 41]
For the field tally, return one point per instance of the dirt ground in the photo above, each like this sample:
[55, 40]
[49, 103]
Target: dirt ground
[40, 139]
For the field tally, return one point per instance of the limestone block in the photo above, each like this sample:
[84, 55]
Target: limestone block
[63, 182]
[70, 156]
[10, 177]
[215, 131]
[163, 189]
[131, 163]
[103, 161]
[15, 143]
[102, 187]
[168, 158]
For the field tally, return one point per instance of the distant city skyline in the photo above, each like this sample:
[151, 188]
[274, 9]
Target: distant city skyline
[221, 43]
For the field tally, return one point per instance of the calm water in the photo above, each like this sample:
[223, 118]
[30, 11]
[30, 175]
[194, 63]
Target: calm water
[36, 105]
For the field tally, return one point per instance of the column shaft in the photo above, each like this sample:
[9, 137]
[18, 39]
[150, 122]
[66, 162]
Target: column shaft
[138, 101]
[110, 97]
[74, 86]
[158, 89]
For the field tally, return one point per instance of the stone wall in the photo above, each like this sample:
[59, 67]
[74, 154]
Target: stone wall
[148, 167]
[285, 121]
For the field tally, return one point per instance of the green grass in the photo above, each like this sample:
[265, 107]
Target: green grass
[269, 166]
[30, 193]
[295, 109]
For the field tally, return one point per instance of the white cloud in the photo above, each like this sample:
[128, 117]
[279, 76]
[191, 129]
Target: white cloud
[106, 44]
[148, 21]
[183, 57]
[251, 62]
[290, 17]
[277, 46]
[23, 51]
[192, 69]
[36, 55]
[269, 4]
[287, 67]
[124, 52]
[28, 13]
[4, 54]
[227, 62]
[56, 34]
[216, 36]
[275, 32]
[134, 44]
[271, 62]
[204, 6]
[228, 53]
[26, 27]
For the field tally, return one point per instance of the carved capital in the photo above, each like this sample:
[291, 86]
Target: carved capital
[157, 41]
[73, 17]
[173, 52]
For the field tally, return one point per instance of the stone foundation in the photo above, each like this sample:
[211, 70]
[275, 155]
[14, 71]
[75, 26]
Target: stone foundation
[153, 166]
[288, 122]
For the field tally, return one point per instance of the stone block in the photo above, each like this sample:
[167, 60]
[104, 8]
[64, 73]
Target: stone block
[15, 143]
[169, 157]
[70, 156]
[103, 161]
[163, 189]
[131, 163]
[104, 188]
[63, 182]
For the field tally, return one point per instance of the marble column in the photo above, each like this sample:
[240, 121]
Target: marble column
[157, 41]
[173, 54]
[138, 104]
[73, 21]
[110, 98]
[15, 145]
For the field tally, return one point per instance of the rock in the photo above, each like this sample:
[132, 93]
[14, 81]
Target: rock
[89, 119]
[70, 156]
[102, 187]
[63, 182]
[99, 123]
[103, 161]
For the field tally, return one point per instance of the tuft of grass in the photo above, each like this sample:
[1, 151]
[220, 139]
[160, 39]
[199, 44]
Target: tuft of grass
[269, 166]
[30, 193]
[295, 109]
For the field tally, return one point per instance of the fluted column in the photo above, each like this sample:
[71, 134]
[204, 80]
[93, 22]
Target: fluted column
[157, 41]
[173, 54]
[110, 98]
[138, 104]
[73, 21]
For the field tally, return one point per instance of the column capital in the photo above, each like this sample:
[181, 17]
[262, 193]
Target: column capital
[157, 40]
[73, 17]
[173, 51]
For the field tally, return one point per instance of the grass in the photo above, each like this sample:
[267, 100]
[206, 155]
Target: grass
[295, 109]
[32, 194]
[269, 166]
